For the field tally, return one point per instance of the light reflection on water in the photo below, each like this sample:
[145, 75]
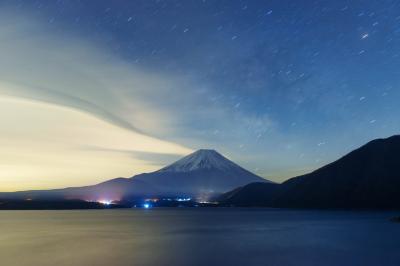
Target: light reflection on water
[198, 237]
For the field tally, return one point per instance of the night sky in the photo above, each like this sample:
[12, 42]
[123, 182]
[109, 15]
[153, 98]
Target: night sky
[280, 87]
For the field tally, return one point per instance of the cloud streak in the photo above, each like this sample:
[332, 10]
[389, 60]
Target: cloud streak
[42, 65]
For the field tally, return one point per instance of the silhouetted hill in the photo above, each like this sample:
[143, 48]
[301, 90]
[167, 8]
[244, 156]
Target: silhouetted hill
[253, 194]
[368, 177]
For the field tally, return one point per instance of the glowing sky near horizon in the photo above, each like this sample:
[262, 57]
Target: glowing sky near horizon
[91, 90]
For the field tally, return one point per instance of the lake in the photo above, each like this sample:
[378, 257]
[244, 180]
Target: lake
[198, 236]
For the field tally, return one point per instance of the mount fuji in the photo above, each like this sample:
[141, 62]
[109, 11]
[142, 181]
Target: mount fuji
[203, 172]
[200, 175]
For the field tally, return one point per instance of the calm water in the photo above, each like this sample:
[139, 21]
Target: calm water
[198, 237]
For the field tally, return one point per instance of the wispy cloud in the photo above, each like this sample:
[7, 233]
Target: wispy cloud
[41, 64]
[65, 70]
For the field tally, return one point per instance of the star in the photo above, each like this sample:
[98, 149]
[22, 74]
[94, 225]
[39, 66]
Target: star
[364, 36]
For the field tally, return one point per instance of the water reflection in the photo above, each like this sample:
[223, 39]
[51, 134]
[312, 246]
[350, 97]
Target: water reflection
[197, 237]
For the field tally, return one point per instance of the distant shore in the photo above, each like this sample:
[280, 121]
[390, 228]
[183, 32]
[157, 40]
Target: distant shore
[16, 204]
[52, 205]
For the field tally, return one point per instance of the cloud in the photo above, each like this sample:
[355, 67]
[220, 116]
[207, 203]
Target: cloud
[66, 70]
[39, 63]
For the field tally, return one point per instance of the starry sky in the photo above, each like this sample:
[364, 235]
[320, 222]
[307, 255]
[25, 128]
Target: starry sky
[91, 90]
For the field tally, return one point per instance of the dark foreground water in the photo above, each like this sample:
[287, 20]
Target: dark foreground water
[198, 237]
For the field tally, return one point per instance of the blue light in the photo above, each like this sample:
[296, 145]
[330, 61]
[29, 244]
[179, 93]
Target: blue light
[183, 199]
[146, 206]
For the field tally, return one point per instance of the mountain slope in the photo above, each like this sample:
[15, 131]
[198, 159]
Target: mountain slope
[368, 177]
[114, 189]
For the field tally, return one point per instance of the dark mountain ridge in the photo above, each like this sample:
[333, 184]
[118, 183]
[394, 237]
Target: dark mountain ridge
[368, 177]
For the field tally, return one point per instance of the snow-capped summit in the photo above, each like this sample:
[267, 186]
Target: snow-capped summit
[201, 159]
